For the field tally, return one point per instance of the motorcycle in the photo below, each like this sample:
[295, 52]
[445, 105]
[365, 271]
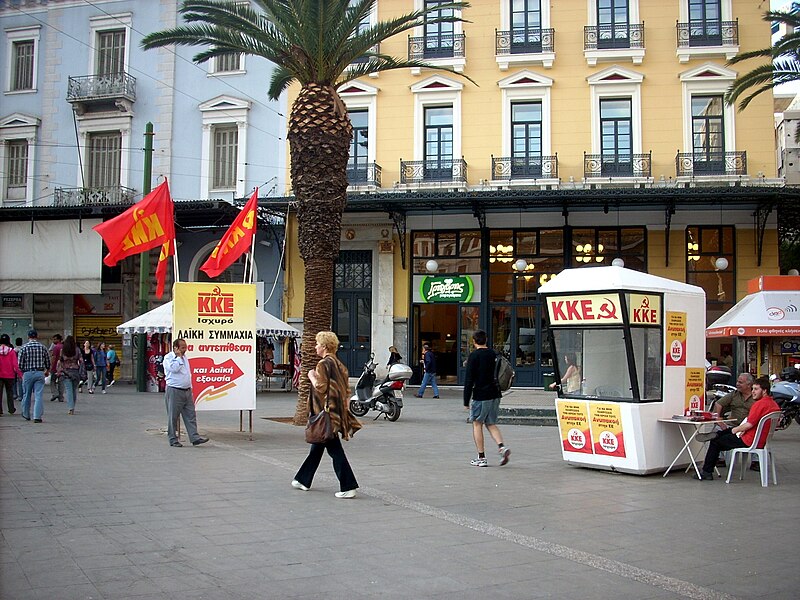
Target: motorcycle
[386, 397]
[716, 392]
[786, 394]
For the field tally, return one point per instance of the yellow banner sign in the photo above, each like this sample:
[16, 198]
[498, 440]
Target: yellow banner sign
[218, 322]
[675, 339]
[573, 422]
[597, 309]
[607, 436]
[644, 309]
[695, 389]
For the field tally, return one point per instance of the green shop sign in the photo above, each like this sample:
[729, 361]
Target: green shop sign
[447, 288]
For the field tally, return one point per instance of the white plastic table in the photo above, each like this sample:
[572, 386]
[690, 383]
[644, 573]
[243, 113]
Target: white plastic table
[683, 427]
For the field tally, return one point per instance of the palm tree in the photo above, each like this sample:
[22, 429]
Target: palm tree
[315, 43]
[783, 65]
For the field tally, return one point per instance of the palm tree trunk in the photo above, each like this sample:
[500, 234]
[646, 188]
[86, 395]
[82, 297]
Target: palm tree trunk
[319, 143]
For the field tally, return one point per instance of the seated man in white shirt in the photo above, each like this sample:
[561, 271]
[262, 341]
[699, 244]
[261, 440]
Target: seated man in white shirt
[178, 397]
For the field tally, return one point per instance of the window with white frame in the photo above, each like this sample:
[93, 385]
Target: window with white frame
[525, 35]
[104, 159]
[111, 35]
[17, 156]
[224, 145]
[228, 63]
[707, 28]
[438, 43]
[616, 96]
[614, 31]
[23, 46]
[527, 152]
[225, 157]
[708, 122]
[361, 101]
[437, 91]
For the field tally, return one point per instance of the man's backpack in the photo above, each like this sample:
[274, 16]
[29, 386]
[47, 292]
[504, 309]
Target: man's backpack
[503, 372]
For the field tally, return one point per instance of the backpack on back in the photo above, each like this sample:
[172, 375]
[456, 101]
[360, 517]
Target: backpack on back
[503, 372]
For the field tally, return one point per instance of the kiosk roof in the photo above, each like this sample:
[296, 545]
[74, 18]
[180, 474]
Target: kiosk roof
[615, 278]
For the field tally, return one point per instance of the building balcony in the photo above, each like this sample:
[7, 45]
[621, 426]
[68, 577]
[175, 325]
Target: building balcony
[116, 91]
[525, 45]
[364, 175]
[697, 39]
[513, 168]
[617, 165]
[362, 59]
[98, 196]
[612, 42]
[445, 50]
[433, 171]
[702, 164]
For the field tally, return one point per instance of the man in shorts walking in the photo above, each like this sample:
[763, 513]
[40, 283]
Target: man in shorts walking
[480, 386]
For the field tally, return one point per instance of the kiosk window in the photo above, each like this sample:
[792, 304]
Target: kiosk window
[647, 347]
[601, 362]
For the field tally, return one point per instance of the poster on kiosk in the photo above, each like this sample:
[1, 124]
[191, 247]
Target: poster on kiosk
[630, 347]
[218, 322]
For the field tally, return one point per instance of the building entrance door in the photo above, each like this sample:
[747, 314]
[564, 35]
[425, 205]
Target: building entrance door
[352, 308]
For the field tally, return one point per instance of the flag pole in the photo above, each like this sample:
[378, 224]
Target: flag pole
[144, 266]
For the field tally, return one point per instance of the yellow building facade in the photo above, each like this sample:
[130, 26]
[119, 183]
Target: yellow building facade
[583, 131]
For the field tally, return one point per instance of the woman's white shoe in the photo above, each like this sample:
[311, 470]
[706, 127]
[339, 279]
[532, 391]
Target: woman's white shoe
[299, 486]
[347, 494]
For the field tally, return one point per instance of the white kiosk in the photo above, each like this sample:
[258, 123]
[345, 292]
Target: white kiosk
[638, 344]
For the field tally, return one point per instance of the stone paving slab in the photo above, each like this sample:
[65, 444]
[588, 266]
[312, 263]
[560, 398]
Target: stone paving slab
[97, 505]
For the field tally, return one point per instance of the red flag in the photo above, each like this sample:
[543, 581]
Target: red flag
[167, 250]
[236, 241]
[147, 224]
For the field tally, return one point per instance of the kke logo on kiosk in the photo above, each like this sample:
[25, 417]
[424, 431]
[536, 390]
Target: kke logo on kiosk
[215, 307]
[569, 310]
[211, 380]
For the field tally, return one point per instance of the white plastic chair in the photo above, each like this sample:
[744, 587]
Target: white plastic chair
[768, 421]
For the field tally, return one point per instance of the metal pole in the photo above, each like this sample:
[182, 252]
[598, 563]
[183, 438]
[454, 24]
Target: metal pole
[144, 267]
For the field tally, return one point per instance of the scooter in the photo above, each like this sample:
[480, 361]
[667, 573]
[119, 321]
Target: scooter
[786, 394]
[386, 397]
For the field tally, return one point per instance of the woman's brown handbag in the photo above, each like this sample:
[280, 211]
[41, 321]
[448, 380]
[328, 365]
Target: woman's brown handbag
[318, 428]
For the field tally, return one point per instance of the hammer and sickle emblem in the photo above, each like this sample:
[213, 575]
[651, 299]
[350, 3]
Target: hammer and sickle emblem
[645, 302]
[608, 310]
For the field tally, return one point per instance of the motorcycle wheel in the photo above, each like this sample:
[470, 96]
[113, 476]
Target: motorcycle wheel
[358, 409]
[394, 411]
[784, 422]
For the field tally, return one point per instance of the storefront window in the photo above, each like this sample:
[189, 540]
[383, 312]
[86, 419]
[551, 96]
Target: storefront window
[598, 247]
[704, 247]
[501, 330]
[454, 251]
[526, 336]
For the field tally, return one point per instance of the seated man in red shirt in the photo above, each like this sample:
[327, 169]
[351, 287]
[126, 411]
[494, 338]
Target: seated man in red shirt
[742, 435]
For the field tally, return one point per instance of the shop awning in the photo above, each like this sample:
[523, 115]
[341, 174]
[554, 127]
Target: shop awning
[159, 320]
[768, 313]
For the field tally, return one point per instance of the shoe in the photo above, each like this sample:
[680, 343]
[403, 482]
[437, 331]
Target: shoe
[504, 454]
[299, 486]
[36, 420]
[26, 418]
[91, 391]
[754, 466]
[706, 437]
[12, 411]
[706, 476]
[53, 399]
[347, 494]
[71, 412]
[80, 389]
[436, 397]
[60, 399]
[112, 383]
[104, 391]
[199, 441]
[417, 396]
[176, 445]
[479, 462]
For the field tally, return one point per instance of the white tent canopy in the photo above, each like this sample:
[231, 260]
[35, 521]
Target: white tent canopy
[764, 313]
[159, 320]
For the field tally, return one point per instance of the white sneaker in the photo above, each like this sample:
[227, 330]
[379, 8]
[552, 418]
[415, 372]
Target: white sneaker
[104, 391]
[112, 383]
[347, 494]
[479, 462]
[504, 454]
[299, 486]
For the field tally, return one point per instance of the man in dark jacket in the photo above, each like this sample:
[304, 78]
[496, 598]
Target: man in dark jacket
[481, 387]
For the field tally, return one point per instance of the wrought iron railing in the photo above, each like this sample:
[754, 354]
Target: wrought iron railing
[689, 164]
[98, 196]
[524, 40]
[617, 165]
[601, 37]
[364, 174]
[437, 46]
[423, 171]
[525, 167]
[708, 33]
[101, 87]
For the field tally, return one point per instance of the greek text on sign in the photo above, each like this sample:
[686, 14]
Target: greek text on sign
[644, 309]
[451, 288]
[571, 310]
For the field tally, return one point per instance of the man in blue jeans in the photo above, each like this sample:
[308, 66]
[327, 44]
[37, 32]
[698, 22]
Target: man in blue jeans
[429, 365]
[34, 362]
